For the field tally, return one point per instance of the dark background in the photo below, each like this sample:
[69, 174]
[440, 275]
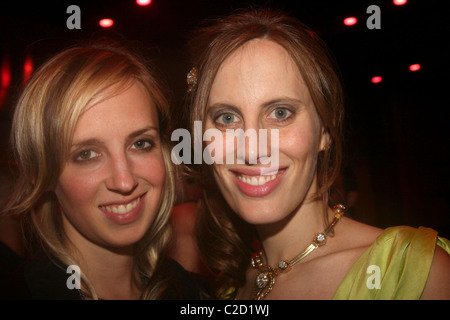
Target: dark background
[396, 139]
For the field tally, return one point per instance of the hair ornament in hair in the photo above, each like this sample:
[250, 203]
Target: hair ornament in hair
[192, 79]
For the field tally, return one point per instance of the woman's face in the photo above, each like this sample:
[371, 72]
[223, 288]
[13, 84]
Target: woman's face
[260, 87]
[111, 186]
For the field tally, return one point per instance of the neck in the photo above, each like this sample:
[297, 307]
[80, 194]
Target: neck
[111, 271]
[285, 239]
[112, 274]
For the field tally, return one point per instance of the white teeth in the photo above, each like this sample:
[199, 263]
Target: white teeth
[130, 207]
[257, 181]
[122, 209]
[261, 180]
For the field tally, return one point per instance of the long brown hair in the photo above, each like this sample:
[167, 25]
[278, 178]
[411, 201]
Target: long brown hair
[43, 125]
[224, 239]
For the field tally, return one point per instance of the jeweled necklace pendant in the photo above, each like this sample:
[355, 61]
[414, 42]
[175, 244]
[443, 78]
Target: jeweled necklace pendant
[265, 277]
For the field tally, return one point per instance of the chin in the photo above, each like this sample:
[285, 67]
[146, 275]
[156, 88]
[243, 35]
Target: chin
[125, 238]
[259, 212]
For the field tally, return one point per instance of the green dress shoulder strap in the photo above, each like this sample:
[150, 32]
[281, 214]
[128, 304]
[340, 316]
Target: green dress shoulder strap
[395, 267]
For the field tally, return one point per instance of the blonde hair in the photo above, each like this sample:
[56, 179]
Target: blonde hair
[42, 130]
[223, 237]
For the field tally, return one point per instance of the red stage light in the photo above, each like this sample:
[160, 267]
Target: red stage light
[5, 79]
[399, 2]
[350, 21]
[106, 23]
[414, 67]
[28, 68]
[377, 79]
[5, 76]
[143, 2]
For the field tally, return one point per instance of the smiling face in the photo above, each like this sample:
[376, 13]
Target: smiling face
[111, 185]
[260, 87]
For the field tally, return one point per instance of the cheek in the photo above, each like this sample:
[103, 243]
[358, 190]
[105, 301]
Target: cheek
[152, 170]
[76, 190]
[225, 183]
[299, 142]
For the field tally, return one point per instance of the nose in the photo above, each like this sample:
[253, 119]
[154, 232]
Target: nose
[121, 178]
[253, 145]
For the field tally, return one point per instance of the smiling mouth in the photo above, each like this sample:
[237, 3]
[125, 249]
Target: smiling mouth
[254, 183]
[122, 208]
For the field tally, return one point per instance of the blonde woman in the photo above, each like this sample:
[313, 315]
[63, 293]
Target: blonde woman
[91, 137]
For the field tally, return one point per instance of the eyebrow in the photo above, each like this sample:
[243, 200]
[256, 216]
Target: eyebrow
[211, 109]
[97, 142]
[283, 100]
[141, 131]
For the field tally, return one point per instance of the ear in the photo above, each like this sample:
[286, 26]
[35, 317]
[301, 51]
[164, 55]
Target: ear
[325, 141]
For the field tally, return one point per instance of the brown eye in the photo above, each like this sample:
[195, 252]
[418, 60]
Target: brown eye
[143, 145]
[86, 155]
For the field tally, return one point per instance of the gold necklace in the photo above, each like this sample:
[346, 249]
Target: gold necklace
[265, 278]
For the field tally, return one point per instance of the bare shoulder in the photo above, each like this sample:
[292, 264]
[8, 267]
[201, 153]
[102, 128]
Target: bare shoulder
[350, 241]
[438, 283]
[354, 234]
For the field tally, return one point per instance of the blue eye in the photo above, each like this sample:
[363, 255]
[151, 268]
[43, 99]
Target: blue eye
[280, 114]
[227, 118]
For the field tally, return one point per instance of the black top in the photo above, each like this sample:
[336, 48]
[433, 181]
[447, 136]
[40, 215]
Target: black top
[42, 279]
[9, 260]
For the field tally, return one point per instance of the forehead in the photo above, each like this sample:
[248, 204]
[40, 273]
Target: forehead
[260, 69]
[257, 50]
[121, 110]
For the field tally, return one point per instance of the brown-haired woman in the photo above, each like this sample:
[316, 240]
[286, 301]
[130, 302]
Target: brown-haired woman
[96, 186]
[262, 70]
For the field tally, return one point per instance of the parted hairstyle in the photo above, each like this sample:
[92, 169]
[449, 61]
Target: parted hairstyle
[224, 239]
[42, 130]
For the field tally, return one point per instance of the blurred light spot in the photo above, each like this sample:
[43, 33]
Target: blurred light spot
[143, 2]
[350, 21]
[414, 67]
[399, 2]
[377, 79]
[106, 23]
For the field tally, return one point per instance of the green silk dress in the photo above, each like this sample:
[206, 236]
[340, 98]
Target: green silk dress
[395, 267]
